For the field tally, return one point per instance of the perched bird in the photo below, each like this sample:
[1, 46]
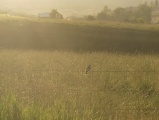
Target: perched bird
[88, 69]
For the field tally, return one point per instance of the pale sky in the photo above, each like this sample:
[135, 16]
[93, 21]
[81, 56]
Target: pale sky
[65, 6]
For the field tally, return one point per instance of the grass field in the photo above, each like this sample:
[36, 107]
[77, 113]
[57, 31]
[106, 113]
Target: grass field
[43, 63]
[45, 34]
[52, 85]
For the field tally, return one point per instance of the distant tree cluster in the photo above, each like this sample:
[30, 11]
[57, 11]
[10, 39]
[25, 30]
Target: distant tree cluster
[139, 14]
[153, 3]
[55, 14]
[90, 18]
[105, 14]
[156, 3]
[2, 12]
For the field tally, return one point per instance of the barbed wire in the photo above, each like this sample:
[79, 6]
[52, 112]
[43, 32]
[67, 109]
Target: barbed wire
[92, 71]
[99, 90]
[113, 89]
[126, 109]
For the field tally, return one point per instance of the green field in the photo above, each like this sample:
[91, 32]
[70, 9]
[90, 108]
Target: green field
[52, 85]
[34, 33]
[43, 63]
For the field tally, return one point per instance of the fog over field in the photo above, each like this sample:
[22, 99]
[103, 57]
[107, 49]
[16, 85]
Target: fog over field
[66, 7]
[82, 61]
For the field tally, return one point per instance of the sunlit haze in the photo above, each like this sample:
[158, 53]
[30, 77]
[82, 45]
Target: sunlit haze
[66, 7]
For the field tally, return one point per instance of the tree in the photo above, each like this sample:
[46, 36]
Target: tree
[119, 14]
[104, 14]
[55, 14]
[156, 3]
[152, 4]
[106, 9]
[145, 12]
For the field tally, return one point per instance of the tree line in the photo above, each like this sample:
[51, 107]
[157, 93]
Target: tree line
[139, 14]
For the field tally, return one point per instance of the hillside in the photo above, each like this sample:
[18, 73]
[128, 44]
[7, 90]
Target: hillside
[74, 35]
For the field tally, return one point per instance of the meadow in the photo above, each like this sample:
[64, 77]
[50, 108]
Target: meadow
[44, 34]
[52, 85]
[43, 63]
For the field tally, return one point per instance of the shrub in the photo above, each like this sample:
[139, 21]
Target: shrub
[140, 20]
[90, 18]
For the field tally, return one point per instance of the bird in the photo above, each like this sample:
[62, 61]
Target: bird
[88, 69]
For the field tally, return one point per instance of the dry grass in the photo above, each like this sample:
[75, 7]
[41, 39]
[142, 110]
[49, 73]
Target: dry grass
[52, 85]
[15, 18]
[46, 85]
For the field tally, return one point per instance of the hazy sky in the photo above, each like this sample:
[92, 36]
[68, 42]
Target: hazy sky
[65, 6]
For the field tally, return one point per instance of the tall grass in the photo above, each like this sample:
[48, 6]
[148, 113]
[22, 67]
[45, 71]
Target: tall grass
[47, 85]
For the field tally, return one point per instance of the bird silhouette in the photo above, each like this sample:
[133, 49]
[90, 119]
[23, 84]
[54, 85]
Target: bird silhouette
[88, 69]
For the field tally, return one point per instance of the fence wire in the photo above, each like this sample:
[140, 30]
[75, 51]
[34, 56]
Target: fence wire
[90, 77]
[82, 71]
